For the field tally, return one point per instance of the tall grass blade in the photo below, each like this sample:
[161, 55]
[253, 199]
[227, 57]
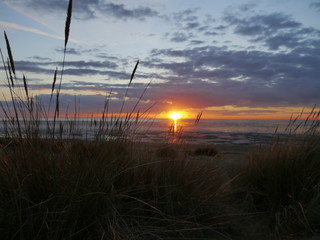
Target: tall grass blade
[198, 117]
[54, 81]
[53, 85]
[10, 53]
[11, 67]
[133, 73]
[4, 65]
[10, 74]
[57, 104]
[137, 117]
[67, 31]
[68, 22]
[139, 100]
[310, 114]
[25, 86]
[3, 108]
[131, 78]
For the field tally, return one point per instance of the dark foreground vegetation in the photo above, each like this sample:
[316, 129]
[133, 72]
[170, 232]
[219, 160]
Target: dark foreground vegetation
[120, 189]
[54, 186]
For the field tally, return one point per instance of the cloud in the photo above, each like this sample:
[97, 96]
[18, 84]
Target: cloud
[216, 76]
[37, 58]
[88, 9]
[186, 20]
[273, 30]
[93, 64]
[27, 29]
[280, 69]
[315, 5]
[208, 33]
[221, 28]
[203, 28]
[191, 25]
[120, 11]
[261, 24]
[75, 68]
[286, 39]
[188, 24]
[188, 15]
[196, 42]
[95, 103]
[72, 51]
[92, 96]
[210, 76]
[180, 37]
[247, 7]
[193, 28]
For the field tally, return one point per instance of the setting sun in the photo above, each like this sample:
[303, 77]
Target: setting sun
[175, 116]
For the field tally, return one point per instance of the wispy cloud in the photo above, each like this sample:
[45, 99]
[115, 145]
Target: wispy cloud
[31, 30]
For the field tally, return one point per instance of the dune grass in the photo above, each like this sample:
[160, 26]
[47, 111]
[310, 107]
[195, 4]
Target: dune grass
[55, 186]
[282, 179]
[119, 189]
[110, 190]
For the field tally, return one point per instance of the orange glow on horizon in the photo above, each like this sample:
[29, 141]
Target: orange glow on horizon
[224, 112]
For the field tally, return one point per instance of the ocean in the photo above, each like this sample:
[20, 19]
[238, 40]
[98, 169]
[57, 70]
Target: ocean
[238, 132]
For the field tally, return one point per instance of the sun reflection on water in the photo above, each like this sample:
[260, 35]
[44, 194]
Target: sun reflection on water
[175, 126]
[175, 116]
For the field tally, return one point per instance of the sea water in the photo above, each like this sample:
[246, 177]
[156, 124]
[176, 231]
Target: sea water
[231, 131]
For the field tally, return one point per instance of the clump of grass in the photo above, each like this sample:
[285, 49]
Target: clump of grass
[111, 189]
[207, 151]
[283, 179]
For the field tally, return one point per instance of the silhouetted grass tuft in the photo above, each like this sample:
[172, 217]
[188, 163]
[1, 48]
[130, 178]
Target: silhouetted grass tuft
[283, 178]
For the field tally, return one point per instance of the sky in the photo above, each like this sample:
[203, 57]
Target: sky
[228, 59]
